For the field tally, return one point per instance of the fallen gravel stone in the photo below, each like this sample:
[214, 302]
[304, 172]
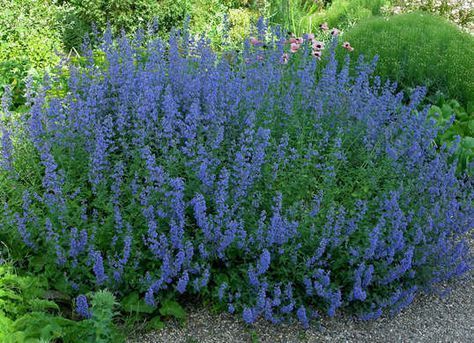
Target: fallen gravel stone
[430, 318]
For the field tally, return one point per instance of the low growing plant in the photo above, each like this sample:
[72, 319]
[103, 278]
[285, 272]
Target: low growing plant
[29, 312]
[268, 184]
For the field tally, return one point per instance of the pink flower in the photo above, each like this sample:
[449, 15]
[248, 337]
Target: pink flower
[294, 47]
[324, 26]
[284, 58]
[317, 54]
[317, 45]
[293, 40]
[254, 41]
[335, 32]
[299, 40]
[347, 46]
[310, 37]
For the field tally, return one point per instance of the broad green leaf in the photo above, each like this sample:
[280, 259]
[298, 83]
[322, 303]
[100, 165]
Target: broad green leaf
[156, 324]
[173, 309]
[133, 303]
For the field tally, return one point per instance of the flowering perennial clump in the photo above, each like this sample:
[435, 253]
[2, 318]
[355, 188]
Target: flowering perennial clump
[278, 187]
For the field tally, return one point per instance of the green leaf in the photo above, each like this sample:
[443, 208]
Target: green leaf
[156, 324]
[133, 303]
[468, 142]
[470, 126]
[173, 309]
[38, 305]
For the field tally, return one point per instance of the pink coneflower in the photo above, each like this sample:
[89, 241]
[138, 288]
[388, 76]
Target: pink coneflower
[335, 32]
[324, 26]
[284, 58]
[293, 40]
[299, 40]
[347, 46]
[294, 47]
[254, 41]
[317, 54]
[317, 45]
[310, 37]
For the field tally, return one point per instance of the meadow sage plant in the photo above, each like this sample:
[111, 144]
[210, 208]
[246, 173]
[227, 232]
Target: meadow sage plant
[269, 182]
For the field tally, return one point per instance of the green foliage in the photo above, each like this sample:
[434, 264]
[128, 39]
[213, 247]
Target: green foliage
[240, 20]
[419, 49]
[133, 303]
[137, 310]
[128, 14]
[13, 74]
[463, 126]
[208, 16]
[31, 37]
[25, 313]
[19, 294]
[35, 326]
[300, 16]
[29, 312]
[226, 20]
[101, 326]
[292, 14]
[345, 13]
[30, 30]
[171, 308]
[75, 29]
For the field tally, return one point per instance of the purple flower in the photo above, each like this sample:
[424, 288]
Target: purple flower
[149, 297]
[248, 315]
[302, 317]
[222, 288]
[82, 307]
[78, 242]
[99, 268]
[183, 282]
[192, 168]
[264, 262]
[253, 277]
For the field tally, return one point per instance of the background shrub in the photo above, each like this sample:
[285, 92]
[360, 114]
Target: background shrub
[167, 171]
[345, 13]
[31, 38]
[419, 49]
[131, 14]
[30, 30]
[226, 21]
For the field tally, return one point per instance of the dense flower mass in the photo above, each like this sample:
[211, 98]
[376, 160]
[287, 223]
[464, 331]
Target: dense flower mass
[277, 186]
[82, 307]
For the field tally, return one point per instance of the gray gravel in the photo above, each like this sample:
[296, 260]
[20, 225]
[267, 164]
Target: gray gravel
[430, 318]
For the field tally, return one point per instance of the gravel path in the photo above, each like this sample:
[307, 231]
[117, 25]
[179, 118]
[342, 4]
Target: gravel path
[430, 318]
